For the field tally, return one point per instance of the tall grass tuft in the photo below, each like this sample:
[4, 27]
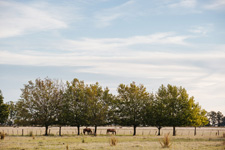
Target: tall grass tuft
[67, 147]
[2, 136]
[165, 143]
[83, 141]
[113, 141]
[224, 140]
[31, 133]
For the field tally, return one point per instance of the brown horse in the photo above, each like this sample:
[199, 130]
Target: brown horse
[88, 130]
[111, 130]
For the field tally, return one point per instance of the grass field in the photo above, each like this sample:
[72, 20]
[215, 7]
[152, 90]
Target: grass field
[203, 140]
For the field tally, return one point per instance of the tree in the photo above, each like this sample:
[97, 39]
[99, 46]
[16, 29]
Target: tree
[223, 122]
[97, 105]
[175, 108]
[219, 117]
[132, 103]
[75, 107]
[12, 113]
[40, 103]
[197, 117]
[4, 111]
[212, 118]
[159, 108]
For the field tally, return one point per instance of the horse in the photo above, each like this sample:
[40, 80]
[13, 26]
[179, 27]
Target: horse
[88, 130]
[111, 130]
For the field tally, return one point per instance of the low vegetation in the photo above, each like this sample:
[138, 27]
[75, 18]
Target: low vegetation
[2, 136]
[102, 142]
[113, 141]
[165, 143]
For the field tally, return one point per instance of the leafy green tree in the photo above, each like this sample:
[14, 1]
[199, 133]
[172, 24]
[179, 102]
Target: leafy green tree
[159, 109]
[197, 116]
[175, 108]
[12, 113]
[4, 110]
[219, 116]
[97, 105]
[75, 106]
[212, 118]
[223, 121]
[40, 103]
[133, 102]
[110, 100]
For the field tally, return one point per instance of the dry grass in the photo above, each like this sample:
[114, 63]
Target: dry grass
[165, 143]
[113, 141]
[102, 142]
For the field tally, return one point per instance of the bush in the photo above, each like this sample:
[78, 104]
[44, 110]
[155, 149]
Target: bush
[166, 141]
[2, 136]
[113, 141]
[31, 133]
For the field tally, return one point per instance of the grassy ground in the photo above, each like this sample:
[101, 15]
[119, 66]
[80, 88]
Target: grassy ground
[103, 142]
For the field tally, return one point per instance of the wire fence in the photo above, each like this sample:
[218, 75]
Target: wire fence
[141, 131]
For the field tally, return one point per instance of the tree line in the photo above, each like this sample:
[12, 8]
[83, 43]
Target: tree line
[50, 102]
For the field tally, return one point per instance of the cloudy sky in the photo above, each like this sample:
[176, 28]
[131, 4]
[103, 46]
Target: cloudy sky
[151, 42]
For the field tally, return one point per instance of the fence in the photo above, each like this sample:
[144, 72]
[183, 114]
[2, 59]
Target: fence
[145, 131]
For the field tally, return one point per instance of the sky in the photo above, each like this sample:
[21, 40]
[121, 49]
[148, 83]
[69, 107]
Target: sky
[150, 42]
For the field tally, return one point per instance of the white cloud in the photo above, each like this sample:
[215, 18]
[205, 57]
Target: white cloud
[18, 18]
[202, 29]
[115, 44]
[184, 3]
[217, 4]
[105, 17]
[205, 82]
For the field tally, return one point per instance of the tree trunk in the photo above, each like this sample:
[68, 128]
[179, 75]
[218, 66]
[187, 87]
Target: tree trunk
[134, 130]
[60, 127]
[174, 131]
[95, 130]
[159, 128]
[78, 130]
[46, 130]
[195, 133]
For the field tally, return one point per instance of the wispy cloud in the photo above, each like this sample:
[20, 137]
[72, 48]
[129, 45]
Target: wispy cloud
[184, 3]
[105, 17]
[115, 44]
[215, 5]
[17, 18]
[202, 29]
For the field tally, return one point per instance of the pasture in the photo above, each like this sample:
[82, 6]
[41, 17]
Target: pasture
[207, 138]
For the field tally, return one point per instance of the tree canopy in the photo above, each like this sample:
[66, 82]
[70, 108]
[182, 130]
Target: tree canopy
[133, 101]
[40, 103]
[50, 102]
[4, 110]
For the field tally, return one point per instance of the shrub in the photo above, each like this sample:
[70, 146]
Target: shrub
[83, 141]
[165, 143]
[31, 133]
[113, 141]
[2, 136]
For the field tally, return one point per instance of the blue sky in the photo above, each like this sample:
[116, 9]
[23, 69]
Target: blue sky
[151, 42]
